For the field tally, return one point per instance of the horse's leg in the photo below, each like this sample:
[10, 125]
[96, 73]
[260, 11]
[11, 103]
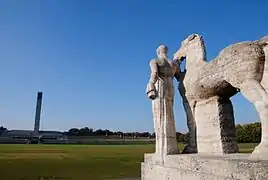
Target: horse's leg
[264, 81]
[256, 94]
[189, 106]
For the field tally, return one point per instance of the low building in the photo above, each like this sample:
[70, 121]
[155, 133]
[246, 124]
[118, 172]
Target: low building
[29, 137]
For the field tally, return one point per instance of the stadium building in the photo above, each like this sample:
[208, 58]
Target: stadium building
[34, 136]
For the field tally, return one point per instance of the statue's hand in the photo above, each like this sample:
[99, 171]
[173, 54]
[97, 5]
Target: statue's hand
[152, 95]
[175, 62]
[151, 91]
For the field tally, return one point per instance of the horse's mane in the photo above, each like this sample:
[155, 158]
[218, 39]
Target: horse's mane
[204, 49]
[264, 41]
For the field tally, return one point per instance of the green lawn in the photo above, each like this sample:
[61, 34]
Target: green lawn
[75, 162]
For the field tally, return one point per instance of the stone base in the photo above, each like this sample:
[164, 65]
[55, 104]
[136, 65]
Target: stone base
[204, 167]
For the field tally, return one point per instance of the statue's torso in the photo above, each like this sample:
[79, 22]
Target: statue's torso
[166, 72]
[165, 69]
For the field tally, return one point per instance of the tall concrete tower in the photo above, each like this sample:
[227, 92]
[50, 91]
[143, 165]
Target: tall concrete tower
[38, 112]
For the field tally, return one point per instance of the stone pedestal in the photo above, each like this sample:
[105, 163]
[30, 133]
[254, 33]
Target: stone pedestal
[215, 126]
[204, 167]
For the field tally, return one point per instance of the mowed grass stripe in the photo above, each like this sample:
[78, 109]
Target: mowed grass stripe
[76, 162]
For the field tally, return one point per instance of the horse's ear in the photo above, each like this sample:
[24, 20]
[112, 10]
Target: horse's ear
[191, 37]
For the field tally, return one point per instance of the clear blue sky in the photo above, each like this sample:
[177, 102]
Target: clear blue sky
[91, 58]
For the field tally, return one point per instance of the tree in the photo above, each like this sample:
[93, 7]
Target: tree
[100, 132]
[2, 129]
[73, 132]
[248, 133]
[84, 131]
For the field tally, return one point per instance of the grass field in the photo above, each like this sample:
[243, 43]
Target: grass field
[75, 162]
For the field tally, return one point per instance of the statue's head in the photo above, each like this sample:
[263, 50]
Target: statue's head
[187, 44]
[162, 51]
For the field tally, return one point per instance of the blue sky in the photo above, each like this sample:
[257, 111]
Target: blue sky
[91, 58]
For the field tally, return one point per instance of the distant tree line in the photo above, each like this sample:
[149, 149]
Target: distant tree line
[247, 133]
[100, 132]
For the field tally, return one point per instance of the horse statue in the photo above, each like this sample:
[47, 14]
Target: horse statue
[240, 67]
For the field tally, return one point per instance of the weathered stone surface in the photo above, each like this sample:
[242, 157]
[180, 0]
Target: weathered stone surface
[191, 147]
[160, 90]
[204, 167]
[238, 67]
[215, 126]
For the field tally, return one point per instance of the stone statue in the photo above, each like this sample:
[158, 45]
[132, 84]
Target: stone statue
[160, 90]
[206, 88]
[239, 67]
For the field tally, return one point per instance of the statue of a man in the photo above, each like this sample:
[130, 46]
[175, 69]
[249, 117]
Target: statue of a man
[160, 90]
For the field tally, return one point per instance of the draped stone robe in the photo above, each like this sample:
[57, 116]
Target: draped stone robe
[161, 90]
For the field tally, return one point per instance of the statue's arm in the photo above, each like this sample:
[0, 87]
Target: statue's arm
[154, 72]
[182, 75]
[178, 74]
[150, 89]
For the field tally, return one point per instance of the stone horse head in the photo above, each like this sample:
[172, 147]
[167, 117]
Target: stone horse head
[192, 48]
